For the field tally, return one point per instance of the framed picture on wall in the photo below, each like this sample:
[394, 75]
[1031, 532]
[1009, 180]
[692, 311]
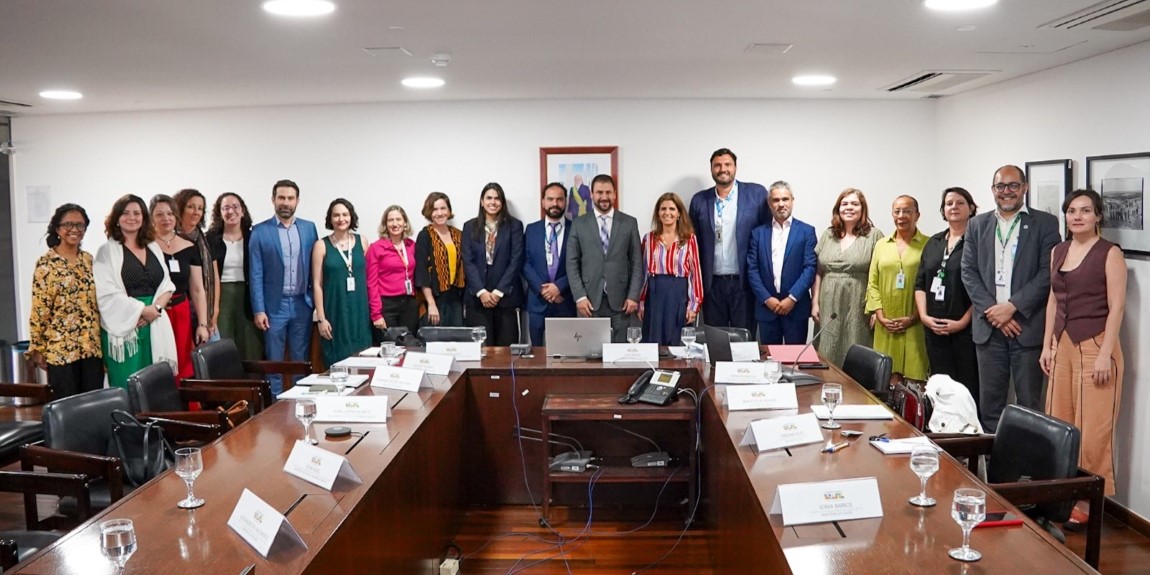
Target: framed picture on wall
[1121, 181]
[575, 167]
[1050, 181]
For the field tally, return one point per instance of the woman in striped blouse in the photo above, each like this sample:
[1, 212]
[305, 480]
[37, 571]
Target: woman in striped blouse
[673, 292]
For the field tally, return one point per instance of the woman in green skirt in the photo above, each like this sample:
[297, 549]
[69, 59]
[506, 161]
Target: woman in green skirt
[228, 237]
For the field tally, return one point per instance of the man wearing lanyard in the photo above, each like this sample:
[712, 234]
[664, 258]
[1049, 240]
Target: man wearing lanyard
[544, 264]
[1006, 271]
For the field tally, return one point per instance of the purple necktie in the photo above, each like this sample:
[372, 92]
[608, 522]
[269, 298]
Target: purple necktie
[604, 235]
[553, 247]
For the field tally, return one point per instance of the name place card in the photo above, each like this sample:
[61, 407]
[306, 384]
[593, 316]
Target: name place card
[804, 503]
[433, 363]
[460, 350]
[745, 351]
[358, 409]
[628, 352]
[739, 372]
[260, 525]
[401, 378]
[781, 432]
[747, 397]
[319, 466]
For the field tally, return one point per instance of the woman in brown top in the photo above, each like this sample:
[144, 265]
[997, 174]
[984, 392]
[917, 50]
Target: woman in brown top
[1081, 351]
[65, 321]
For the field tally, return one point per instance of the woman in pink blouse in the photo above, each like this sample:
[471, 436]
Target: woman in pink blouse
[391, 274]
[673, 293]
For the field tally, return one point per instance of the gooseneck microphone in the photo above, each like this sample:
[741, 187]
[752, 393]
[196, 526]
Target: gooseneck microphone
[805, 378]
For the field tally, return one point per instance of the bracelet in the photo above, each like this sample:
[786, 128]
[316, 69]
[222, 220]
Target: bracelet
[204, 325]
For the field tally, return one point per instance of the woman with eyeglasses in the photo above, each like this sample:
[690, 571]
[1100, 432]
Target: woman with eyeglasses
[890, 292]
[191, 206]
[228, 237]
[64, 325]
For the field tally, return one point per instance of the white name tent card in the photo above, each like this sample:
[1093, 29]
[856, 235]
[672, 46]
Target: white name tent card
[356, 362]
[353, 380]
[319, 466]
[855, 411]
[460, 350]
[636, 352]
[401, 378]
[745, 351]
[777, 396]
[314, 391]
[433, 363]
[781, 432]
[805, 503]
[260, 525]
[358, 409]
[739, 372]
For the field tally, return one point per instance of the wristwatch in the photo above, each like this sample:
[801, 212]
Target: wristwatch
[159, 309]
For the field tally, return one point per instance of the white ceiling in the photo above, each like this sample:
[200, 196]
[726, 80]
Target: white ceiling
[171, 54]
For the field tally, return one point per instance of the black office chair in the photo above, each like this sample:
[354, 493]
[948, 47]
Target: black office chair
[13, 434]
[402, 337]
[437, 333]
[870, 368]
[18, 545]
[1034, 465]
[218, 364]
[154, 395]
[738, 334]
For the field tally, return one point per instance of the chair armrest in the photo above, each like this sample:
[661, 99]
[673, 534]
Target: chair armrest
[60, 460]
[206, 417]
[250, 393]
[277, 367]
[38, 391]
[1047, 490]
[265, 392]
[180, 430]
[60, 484]
[964, 445]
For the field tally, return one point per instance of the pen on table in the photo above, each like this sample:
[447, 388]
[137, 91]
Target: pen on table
[883, 438]
[837, 447]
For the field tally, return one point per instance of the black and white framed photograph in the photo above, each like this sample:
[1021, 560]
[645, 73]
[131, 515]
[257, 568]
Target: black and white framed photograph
[1049, 181]
[1121, 181]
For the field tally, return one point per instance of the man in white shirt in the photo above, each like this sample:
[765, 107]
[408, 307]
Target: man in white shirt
[545, 263]
[781, 267]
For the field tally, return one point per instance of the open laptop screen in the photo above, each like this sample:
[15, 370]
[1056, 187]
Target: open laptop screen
[577, 336]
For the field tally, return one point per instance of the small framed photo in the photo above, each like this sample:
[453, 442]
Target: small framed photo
[1050, 181]
[575, 167]
[1121, 181]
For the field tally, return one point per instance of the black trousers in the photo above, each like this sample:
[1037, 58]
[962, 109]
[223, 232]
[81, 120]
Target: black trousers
[954, 355]
[77, 377]
[398, 311]
[501, 323]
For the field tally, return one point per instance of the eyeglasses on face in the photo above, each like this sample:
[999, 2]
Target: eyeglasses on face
[904, 211]
[1012, 186]
[230, 208]
[74, 226]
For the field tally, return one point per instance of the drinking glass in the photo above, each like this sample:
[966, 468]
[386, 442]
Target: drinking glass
[688, 337]
[189, 464]
[387, 351]
[339, 377]
[968, 510]
[305, 412]
[118, 541]
[773, 370]
[634, 334]
[832, 397]
[924, 463]
[478, 334]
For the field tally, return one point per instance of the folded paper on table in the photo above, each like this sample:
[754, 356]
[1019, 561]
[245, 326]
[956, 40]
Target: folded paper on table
[901, 446]
[787, 354]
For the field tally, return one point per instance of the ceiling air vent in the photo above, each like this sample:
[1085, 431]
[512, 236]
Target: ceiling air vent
[1113, 15]
[936, 81]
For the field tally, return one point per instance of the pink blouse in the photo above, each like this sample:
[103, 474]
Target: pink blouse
[387, 272]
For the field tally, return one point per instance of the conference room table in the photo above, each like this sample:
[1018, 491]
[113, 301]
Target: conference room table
[454, 445]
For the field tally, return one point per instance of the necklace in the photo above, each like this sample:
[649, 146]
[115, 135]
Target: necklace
[167, 241]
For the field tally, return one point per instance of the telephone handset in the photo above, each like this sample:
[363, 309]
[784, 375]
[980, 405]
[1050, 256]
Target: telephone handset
[654, 386]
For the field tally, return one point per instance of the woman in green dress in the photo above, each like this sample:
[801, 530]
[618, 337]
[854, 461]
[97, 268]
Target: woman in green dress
[898, 330]
[844, 253]
[339, 285]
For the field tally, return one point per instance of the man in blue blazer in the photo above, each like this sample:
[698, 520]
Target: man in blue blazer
[279, 257]
[781, 267]
[545, 267]
[723, 217]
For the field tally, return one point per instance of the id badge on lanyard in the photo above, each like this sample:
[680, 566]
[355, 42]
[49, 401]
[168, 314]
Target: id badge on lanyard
[408, 287]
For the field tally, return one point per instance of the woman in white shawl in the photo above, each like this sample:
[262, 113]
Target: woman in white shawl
[132, 289]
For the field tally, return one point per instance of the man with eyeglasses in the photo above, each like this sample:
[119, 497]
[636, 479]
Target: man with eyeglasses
[1006, 271]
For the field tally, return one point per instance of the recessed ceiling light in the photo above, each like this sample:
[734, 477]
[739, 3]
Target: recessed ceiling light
[61, 95]
[299, 7]
[957, 5]
[423, 82]
[814, 80]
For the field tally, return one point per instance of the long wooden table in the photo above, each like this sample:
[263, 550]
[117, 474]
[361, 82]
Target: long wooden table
[455, 445]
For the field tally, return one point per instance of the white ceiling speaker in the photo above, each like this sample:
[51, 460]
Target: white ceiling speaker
[441, 59]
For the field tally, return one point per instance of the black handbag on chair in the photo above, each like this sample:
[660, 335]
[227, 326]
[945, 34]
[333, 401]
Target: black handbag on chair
[142, 447]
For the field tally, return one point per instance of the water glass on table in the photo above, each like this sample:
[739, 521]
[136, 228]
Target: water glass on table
[118, 541]
[924, 463]
[478, 335]
[189, 465]
[634, 334]
[832, 397]
[305, 412]
[968, 510]
[339, 376]
[687, 334]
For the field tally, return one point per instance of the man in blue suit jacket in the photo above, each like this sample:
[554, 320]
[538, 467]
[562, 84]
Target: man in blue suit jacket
[279, 256]
[781, 267]
[545, 267]
[723, 217]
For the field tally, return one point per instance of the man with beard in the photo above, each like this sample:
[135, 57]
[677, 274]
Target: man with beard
[544, 264]
[605, 261]
[280, 268]
[1006, 271]
[724, 216]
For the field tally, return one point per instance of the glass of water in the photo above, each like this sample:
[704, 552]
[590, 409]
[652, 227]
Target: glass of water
[773, 370]
[478, 334]
[634, 334]
[387, 351]
[688, 336]
[339, 377]
[305, 412]
[118, 541]
[189, 465]
[968, 510]
[924, 463]
[832, 397]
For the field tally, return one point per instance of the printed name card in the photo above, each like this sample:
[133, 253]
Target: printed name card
[401, 378]
[739, 372]
[259, 524]
[358, 409]
[460, 350]
[433, 363]
[745, 351]
[319, 466]
[625, 352]
[804, 503]
[781, 432]
[777, 396]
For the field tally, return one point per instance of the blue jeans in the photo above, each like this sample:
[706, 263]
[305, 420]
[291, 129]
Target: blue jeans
[290, 325]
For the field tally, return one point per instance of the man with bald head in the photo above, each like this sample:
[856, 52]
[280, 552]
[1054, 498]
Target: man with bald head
[1006, 271]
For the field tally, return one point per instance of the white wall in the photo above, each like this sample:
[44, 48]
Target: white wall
[1094, 107]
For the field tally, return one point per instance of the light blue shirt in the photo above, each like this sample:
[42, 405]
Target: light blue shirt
[292, 248]
[727, 248]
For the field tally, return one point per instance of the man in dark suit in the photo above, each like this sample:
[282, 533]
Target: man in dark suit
[545, 267]
[723, 217]
[1006, 271]
[280, 266]
[781, 268]
[605, 261]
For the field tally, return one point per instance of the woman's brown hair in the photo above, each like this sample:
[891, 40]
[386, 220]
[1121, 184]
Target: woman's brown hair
[112, 223]
[864, 225]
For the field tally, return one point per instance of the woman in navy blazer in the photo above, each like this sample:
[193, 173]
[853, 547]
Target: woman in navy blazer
[492, 263]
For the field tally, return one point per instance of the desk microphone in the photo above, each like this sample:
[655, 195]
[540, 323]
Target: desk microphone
[805, 378]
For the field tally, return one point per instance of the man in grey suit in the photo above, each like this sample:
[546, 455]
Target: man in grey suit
[605, 261]
[1006, 271]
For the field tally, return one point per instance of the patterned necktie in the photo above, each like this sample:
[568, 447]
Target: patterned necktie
[603, 235]
[553, 247]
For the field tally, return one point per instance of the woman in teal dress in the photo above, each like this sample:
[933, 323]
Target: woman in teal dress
[339, 285]
[890, 292]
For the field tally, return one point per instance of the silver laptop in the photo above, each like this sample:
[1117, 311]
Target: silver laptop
[577, 336]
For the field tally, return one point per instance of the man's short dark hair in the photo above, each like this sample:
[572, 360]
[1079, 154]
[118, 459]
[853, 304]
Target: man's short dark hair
[285, 184]
[604, 179]
[725, 152]
[543, 192]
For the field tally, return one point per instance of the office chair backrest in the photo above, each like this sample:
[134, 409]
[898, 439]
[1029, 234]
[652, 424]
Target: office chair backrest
[870, 368]
[737, 334]
[435, 333]
[218, 360]
[1029, 445]
[154, 389]
[83, 422]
